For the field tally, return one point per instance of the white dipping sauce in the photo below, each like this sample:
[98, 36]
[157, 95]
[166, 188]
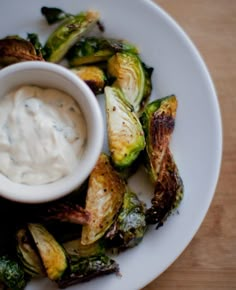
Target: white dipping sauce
[42, 135]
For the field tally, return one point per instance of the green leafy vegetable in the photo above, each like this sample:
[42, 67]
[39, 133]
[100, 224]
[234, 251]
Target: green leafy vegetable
[53, 14]
[67, 34]
[92, 50]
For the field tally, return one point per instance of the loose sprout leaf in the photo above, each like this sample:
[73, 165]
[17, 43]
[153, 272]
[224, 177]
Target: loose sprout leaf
[53, 14]
[68, 33]
[125, 134]
[34, 39]
[91, 50]
[104, 199]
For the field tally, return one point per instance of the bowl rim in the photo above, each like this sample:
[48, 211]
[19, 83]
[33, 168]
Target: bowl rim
[19, 192]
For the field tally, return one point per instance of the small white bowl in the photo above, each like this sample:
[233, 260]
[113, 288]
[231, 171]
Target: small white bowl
[50, 75]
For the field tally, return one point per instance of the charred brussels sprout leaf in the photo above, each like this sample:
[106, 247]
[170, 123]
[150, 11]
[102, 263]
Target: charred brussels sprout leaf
[12, 274]
[15, 49]
[104, 199]
[51, 252]
[28, 255]
[92, 50]
[67, 34]
[131, 77]
[125, 134]
[130, 226]
[67, 211]
[158, 121]
[85, 268]
[94, 77]
[53, 14]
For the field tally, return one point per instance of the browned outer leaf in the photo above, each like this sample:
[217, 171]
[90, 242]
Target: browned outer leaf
[68, 212]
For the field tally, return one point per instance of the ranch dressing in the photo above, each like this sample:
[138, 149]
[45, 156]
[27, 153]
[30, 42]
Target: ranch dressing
[42, 135]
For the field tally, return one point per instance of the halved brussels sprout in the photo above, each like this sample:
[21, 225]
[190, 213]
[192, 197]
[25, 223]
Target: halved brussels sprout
[158, 121]
[131, 77]
[92, 50]
[104, 199]
[168, 192]
[94, 77]
[28, 255]
[15, 49]
[51, 252]
[130, 226]
[75, 248]
[85, 268]
[125, 134]
[68, 33]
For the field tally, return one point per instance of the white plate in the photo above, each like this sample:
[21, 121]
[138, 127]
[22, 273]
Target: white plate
[197, 139]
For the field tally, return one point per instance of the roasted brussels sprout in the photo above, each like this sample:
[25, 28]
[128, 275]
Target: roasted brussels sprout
[66, 35]
[53, 14]
[12, 274]
[130, 226]
[85, 268]
[75, 248]
[51, 252]
[104, 199]
[15, 49]
[131, 77]
[27, 254]
[94, 77]
[92, 50]
[158, 121]
[168, 192]
[125, 134]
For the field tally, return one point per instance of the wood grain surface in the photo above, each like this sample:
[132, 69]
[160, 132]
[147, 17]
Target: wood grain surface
[209, 262]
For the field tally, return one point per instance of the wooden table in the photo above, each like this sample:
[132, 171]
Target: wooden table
[209, 262]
